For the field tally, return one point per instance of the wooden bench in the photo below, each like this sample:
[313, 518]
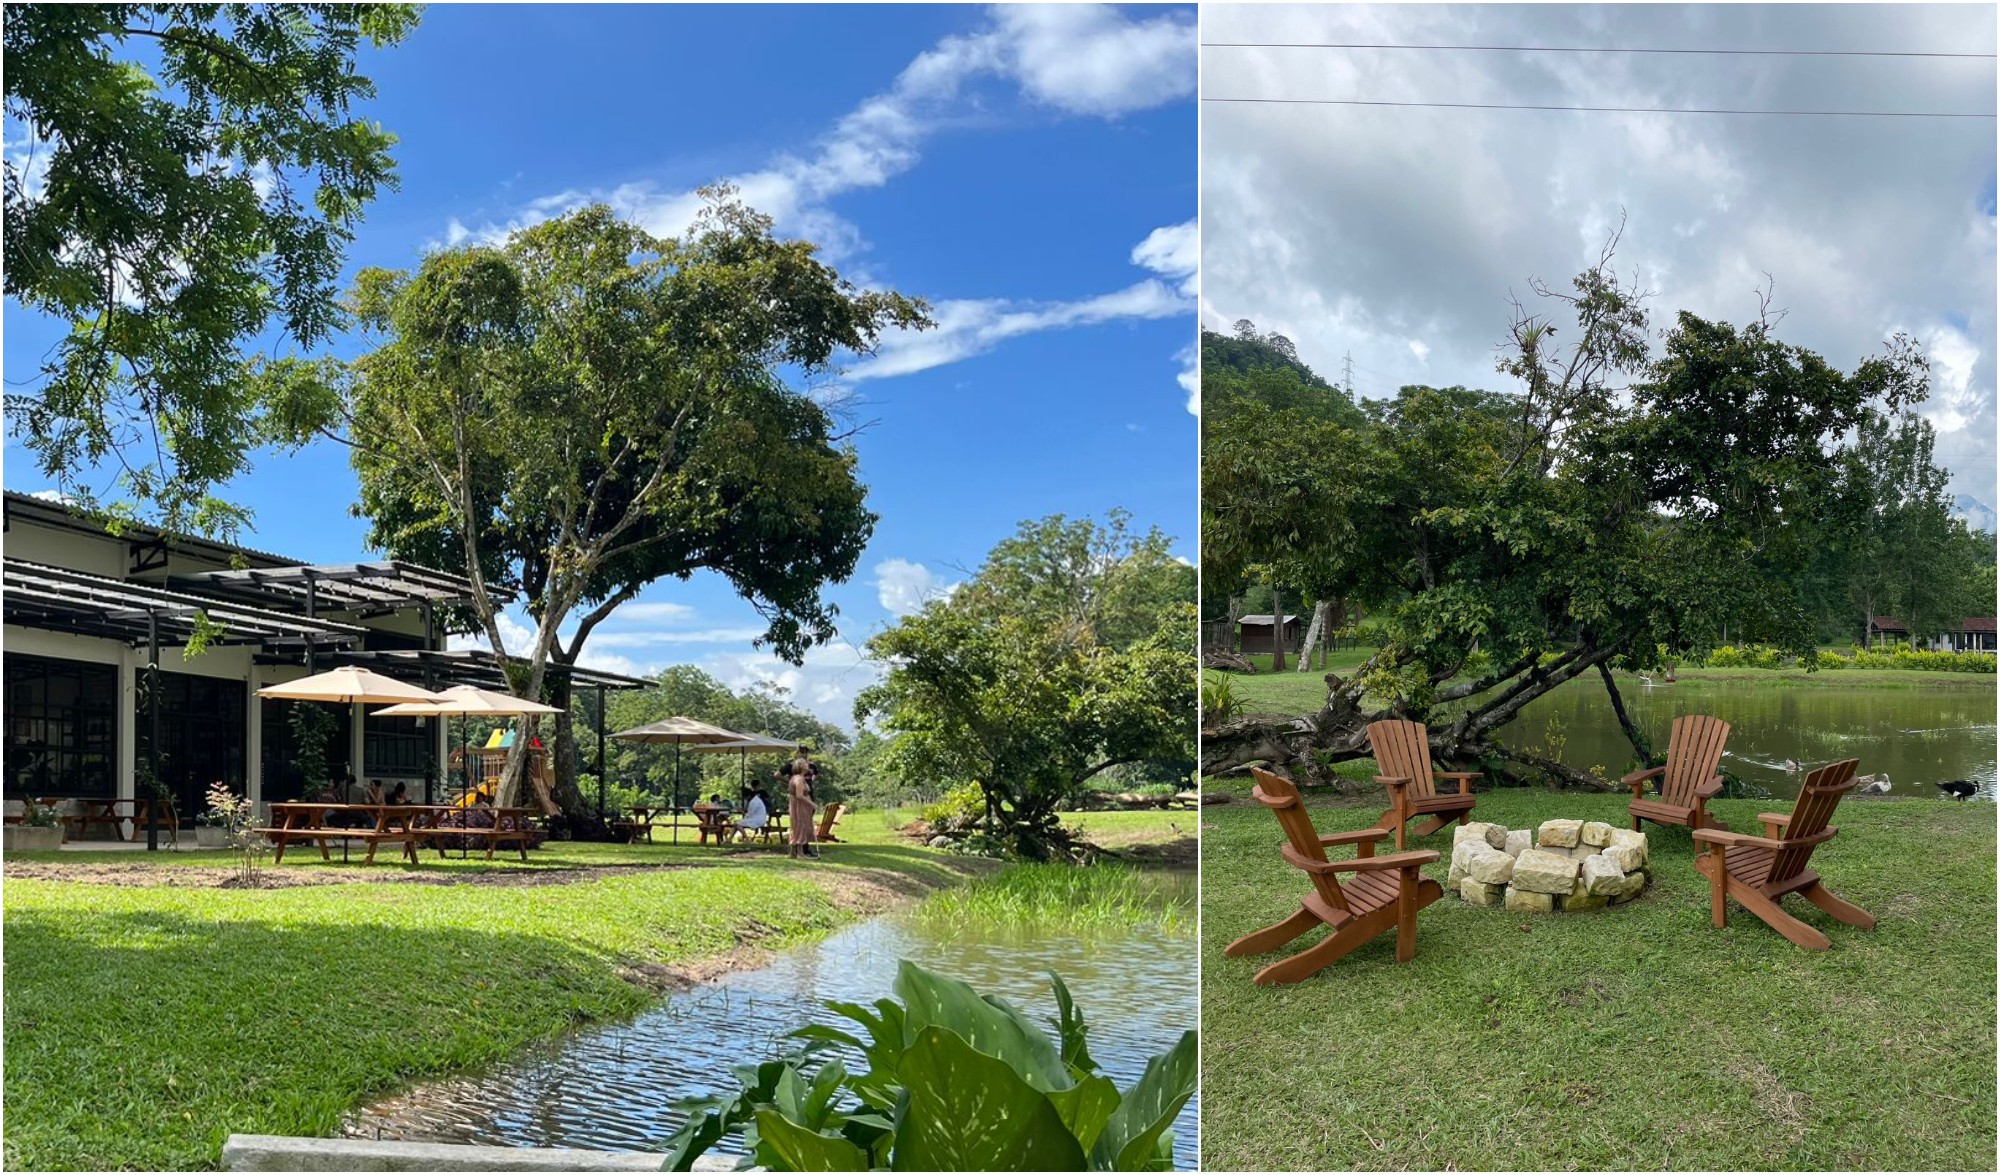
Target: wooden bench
[510, 826]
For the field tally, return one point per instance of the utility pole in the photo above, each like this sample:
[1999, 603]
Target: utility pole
[1347, 373]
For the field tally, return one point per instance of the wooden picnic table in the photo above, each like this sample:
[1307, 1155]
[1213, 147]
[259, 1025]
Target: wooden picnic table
[294, 820]
[709, 821]
[509, 824]
[101, 810]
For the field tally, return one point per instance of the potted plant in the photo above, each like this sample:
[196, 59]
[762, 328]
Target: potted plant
[40, 829]
[211, 828]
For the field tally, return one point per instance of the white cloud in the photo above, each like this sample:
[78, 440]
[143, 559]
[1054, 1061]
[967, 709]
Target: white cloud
[644, 610]
[619, 639]
[1190, 377]
[1421, 350]
[514, 633]
[1173, 251]
[825, 683]
[904, 587]
[1087, 60]
[1360, 230]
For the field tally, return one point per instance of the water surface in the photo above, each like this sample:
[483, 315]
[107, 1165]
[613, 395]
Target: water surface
[609, 1087]
[1917, 735]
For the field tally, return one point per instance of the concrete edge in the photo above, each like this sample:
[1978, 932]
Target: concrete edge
[273, 1152]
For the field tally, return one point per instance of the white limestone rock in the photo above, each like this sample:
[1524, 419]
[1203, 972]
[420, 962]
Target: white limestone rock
[1540, 871]
[1461, 857]
[1519, 841]
[1629, 889]
[1494, 835]
[1626, 838]
[1597, 833]
[1526, 901]
[1479, 893]
[1580, 898]
[1626, 857]
[1489, 865]
[1559, 834]
[1599, 876]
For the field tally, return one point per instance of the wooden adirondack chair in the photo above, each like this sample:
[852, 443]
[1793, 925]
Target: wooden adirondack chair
[827, 816]
[1758, 871]
[1403, 752]
[1384, 892]
[1688, 781]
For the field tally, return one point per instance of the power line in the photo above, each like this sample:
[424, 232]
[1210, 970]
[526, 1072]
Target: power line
[1578, 49]
[1599, 109]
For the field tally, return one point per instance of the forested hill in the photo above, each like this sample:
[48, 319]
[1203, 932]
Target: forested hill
[1265, 369]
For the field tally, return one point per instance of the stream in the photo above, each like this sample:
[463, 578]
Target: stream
[609, 1087]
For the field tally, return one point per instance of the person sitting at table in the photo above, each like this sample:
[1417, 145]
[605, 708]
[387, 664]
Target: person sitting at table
[374, 792]
[756, 815]
[401, 794]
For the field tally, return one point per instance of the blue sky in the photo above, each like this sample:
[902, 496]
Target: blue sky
[1030, 172]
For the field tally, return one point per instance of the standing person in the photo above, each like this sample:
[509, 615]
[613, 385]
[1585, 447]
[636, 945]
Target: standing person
[802, 806]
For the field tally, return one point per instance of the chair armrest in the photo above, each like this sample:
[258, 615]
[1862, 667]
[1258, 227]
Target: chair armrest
[1392, 782]
[1715, 836]
[1642, 776]
[1408, 860]
[1365, 836]
[1464, 779]
[1774, 822]
[1711, 789]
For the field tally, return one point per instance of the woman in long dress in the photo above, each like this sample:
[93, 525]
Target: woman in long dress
[800, 815]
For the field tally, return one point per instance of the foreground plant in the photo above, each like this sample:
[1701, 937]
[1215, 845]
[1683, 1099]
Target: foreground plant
[956, 1081]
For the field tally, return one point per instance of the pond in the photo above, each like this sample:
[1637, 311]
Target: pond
[1919, 735]
[608, 1088]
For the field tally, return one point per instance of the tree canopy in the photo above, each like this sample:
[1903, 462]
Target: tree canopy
[1068, 653]
[1619, 505]
[587, 409]
[192, 174]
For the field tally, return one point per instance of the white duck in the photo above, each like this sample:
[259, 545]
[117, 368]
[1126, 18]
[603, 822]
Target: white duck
[1873, 785]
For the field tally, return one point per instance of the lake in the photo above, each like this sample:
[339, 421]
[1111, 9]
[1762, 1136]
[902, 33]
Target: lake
[609, 1087]
[1919, 735]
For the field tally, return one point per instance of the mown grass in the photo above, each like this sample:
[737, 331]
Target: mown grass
[1111, 829]
[1639, 1037]
[1070, 899]
[144, 1024]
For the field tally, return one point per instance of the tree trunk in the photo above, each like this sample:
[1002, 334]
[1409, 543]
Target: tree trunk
[1277, 630]
[1633, 734]
[1315, 633]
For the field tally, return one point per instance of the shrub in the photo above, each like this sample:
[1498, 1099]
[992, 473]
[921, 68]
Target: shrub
[1219, 700]
[955, 1082]
[1826, 659]
[957, 810]
[1763, 657]
[1724, 657]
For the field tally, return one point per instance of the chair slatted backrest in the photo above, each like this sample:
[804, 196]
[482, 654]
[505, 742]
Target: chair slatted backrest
[1282, 797]
[1694, 751]
[1403, 750]
[1818, 797]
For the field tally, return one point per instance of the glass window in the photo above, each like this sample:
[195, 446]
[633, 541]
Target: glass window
[62, 727]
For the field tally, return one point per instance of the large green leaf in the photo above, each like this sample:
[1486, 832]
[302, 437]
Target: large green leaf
[1086, 1107]
[990, 1026]
[1131, 1139]
[1073, 1032]
[966, 1111]
[784, 1145]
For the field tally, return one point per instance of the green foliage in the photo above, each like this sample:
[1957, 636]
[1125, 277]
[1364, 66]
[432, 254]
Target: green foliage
[957, 810]
[955, 1081]
[1063, 899]
[312, 727]
[1619, 501]
[1219, 701]
[171, 212]
[1904, 657]
[36, 814]
[1069, 652]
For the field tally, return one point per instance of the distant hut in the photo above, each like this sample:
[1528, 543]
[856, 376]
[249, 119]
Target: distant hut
[1974, 634]
[1886, 629]
[1255, 633]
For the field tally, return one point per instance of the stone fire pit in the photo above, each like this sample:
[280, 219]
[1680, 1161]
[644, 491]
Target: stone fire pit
[1562, 865]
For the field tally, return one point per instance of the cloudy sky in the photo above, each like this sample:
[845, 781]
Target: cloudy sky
[1028, 170]
[1395, 235]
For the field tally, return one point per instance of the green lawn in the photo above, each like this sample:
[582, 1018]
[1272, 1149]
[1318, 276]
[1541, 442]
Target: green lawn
[145, 1023]
[1638, 1037]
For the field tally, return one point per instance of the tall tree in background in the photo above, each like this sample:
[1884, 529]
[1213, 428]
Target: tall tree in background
[1511, 543]
[168, 215]
[588, 409]
[1069, 653]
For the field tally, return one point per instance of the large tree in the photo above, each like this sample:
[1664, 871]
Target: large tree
[1070, 652]
[179, 178]
[587, 409]
[1617, 505]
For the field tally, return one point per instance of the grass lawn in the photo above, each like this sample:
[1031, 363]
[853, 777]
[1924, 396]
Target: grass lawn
[1109, 829]
[146, 1022]
[1638, 1037]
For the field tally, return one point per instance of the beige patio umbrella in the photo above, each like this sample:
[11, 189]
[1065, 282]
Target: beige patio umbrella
[349, 683]
[679, 731]
[467, 701]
